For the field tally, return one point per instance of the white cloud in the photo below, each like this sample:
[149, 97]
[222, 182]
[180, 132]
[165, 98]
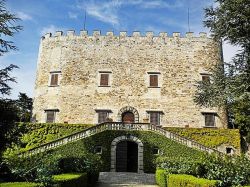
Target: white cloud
[50, 29]
[105, 11]
[72, 15]
[23, 16]
[159, 4]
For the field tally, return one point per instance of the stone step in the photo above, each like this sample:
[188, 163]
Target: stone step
[125, 179]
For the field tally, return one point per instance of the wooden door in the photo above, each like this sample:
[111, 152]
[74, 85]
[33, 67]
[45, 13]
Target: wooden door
[128, 117]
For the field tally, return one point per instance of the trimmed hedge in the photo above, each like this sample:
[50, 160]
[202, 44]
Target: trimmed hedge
[71, 180]
[19, 184]
[177, 180]
[35, 134]
[150, 140]
[210, 137]
[161, 177]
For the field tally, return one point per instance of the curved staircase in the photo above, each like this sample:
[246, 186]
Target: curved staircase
[119, 126]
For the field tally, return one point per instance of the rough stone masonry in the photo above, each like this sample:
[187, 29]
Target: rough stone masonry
[79, 60]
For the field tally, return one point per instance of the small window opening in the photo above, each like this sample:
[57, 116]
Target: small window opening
[98, 149]
[156, 151]
[229, 150]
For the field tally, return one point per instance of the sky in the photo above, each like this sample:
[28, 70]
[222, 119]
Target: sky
[40, 17]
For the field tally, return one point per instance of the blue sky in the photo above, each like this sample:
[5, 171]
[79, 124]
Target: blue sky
[39, 17]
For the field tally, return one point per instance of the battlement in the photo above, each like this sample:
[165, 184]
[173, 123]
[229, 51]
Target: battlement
[123, 34]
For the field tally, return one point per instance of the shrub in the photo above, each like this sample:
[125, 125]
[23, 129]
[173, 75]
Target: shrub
[177, 180]
[210, 137]
[71, 180]
[161, 177]
[19, 184]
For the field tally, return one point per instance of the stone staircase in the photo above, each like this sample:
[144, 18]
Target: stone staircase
[125, 179]
[118, 126]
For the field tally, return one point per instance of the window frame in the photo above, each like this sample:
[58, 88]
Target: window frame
[108, 73]
[53, 73]
[54, 115]
[205, 114]
[159, 113]
[99, 111]
[206, 77]
[155, 74]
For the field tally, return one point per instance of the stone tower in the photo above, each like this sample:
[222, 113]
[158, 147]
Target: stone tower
[97, 78]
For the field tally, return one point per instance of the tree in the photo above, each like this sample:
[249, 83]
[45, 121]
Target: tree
[24, 105]
[229, 22]
[8, 109]
[7, 29]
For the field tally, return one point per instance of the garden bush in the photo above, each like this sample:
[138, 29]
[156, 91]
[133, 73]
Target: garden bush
[19, 184]
[229, 171]
[178, 180]
[161, 177]
[71, 180]
[210, 137]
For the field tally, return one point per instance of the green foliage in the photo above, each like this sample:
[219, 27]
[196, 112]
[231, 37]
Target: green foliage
[38, 168]
[19, 184]
[229, 171]
[231, 88]
[161, 177]
[177, 180]
[24, 105]
[149, 139]
[35, 134]
[210, 137]
[71, 180]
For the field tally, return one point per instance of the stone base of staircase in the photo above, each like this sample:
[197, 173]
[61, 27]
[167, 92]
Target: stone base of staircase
[126, 179]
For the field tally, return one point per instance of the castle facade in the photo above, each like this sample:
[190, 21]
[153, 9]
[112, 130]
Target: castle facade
[95, 78]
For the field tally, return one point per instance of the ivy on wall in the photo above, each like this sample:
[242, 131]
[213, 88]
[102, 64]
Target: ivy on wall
[150, 140]
[210, 137]
[35, 134]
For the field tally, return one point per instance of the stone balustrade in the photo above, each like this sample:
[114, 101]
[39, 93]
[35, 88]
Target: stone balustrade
[120, 126]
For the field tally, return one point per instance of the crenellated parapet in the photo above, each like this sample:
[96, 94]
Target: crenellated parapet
[122, 34]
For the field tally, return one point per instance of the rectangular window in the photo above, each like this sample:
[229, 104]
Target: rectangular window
[54, 78]
[155, 117]
[104, 79]
[209, 119]
[153, 80]
[205, 77]
[103, 115]
[51, 115]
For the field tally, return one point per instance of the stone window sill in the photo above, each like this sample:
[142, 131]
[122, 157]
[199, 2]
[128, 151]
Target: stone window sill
[53, 86]
[154, 87]
[104, 86]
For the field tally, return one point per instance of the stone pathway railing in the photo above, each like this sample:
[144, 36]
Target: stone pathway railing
[119, 126]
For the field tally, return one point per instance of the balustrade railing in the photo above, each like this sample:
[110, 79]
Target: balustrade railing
[119, 126]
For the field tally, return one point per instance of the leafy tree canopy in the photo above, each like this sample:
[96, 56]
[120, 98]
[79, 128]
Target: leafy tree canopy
[230, 85]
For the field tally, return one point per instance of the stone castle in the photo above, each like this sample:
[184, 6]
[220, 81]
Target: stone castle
[94, 78]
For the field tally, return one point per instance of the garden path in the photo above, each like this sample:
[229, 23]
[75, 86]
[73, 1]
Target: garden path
[125, 179]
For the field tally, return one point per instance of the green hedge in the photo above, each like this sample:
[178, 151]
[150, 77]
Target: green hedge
[150, 140]
[210, 137]
[161, 177]
[19, 184]
[71, 180]
[177, 180]
[35, 134]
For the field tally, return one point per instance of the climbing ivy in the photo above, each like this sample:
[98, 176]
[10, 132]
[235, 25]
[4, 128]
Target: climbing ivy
[210, 137]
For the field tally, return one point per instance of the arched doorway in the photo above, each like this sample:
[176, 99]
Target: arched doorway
[133, 149]
[127, 156]
[126, 112]
[128, 117]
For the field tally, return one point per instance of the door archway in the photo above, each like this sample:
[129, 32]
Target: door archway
[128, 117]
[135, 145]
[127, 156]
[128, 109]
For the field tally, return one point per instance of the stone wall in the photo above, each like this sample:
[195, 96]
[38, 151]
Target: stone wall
[179, 60]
